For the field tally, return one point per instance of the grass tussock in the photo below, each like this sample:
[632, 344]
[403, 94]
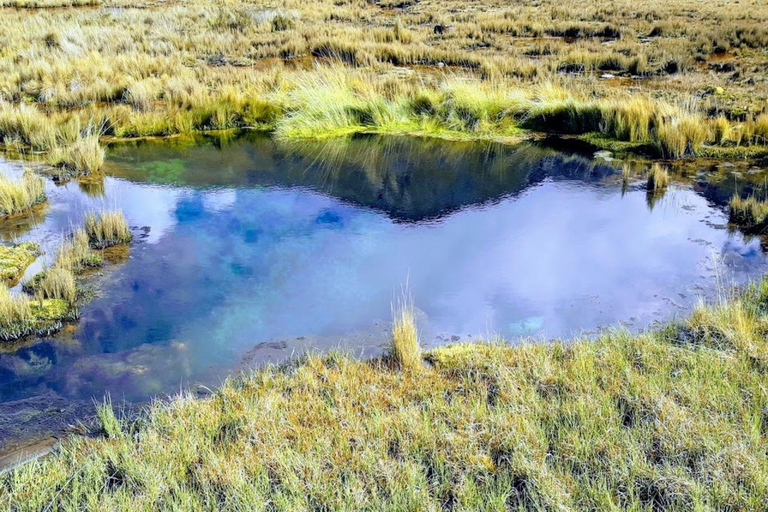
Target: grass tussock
[54, 291]
[658, 178]
[670, 420]
[18, 196]
[48, 4]
[20, 316]
[14, 307]
[749, 213]
[405, 350]
[75, 253]
[56, 283]
[84, 156]
[107, 228]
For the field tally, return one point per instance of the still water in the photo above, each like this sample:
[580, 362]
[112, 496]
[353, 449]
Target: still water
[249, 251]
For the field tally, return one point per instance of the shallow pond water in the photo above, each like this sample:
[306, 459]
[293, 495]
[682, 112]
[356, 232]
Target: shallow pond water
[248, 250]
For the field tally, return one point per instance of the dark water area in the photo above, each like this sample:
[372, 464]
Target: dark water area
[248, 251]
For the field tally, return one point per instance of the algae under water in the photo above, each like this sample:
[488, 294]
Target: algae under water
[248, 250]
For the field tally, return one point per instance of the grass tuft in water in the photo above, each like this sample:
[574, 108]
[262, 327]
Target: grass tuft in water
[56, 283]
[405, 350]
[20, 316]
[751, 213]
[658, 178]
[75, 253]
[84, 156]
[18, 196]
[107, 228]
[14, 308]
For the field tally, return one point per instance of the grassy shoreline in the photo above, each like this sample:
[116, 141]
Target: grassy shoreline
[674, 419]
[676, 80]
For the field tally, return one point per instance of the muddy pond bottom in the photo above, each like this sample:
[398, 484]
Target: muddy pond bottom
[248, 251]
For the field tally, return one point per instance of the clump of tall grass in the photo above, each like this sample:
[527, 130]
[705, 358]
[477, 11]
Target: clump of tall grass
[107, 228]
[56, 283]
[658, 178]
[75, 253]
[749, 213]
[682, 135]
[14, 310]
[20, 316]
[110, 425]
[17, 196]
[85, 155]
[405, 350]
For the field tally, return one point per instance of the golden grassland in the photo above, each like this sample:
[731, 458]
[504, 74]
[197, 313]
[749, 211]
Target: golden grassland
[685, 76]
[675, 419]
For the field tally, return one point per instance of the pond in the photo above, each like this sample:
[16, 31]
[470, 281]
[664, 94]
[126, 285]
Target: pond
[248, 250]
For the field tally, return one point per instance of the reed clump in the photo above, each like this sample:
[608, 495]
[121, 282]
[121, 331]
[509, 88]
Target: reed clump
[658, 178]
[75, 253]
[405, 349]
[749, 213]
[56, 283]
[20, 195]
[107, 228]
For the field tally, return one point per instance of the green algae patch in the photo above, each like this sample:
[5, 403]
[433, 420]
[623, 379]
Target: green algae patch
[733, 152]
[602, 141]
[14, 260]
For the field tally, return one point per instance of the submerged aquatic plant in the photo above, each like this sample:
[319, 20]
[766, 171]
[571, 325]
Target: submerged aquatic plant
[107, 228]
[17, 196]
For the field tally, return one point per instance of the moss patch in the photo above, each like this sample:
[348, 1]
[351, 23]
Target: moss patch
[14, 260]
[602, 141]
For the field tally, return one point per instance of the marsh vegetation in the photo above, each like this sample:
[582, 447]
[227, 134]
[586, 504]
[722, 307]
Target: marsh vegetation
[675, 79]
[669, 420]
[52, 295]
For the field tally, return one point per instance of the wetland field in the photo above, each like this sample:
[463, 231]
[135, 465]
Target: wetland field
[384, 255]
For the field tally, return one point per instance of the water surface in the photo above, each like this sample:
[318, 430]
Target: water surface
[248, 250]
